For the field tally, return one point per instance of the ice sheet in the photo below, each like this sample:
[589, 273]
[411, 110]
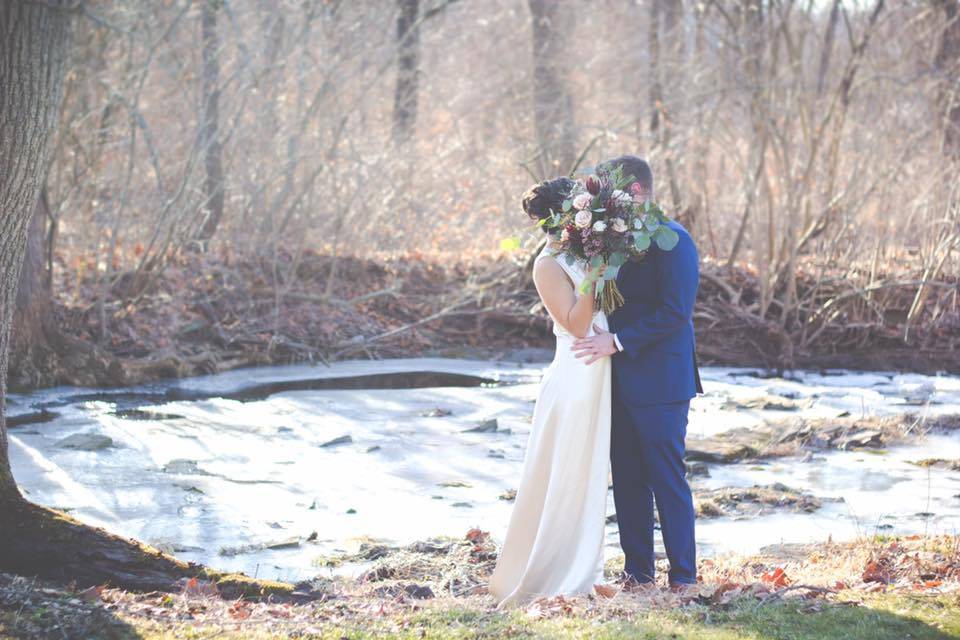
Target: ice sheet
[211, 477]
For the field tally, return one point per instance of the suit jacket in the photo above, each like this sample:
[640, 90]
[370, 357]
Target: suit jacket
[655, 325]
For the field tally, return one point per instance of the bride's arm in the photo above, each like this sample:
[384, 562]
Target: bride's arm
[573, 312]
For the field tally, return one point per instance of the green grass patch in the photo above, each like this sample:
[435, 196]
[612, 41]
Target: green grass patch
[882, 617]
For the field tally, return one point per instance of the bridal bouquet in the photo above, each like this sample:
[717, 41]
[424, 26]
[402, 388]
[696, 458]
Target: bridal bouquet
[606, 220]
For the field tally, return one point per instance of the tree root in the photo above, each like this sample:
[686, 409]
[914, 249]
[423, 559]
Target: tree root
[48, 544]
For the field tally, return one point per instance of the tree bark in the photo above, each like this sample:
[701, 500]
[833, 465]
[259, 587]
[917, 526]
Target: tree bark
[947, 64]
[34, 42]
[552, 104]
[656, 89]
[210, 123]
[828, 40]
[408, 71]
[665, 59]
[34, 306]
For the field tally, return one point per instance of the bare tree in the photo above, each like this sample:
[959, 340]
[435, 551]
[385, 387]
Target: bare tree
[947, 64]
[34, 41]
[552, 104]
[665, 50]
[828, 40]
[408, 70]
[210, 123]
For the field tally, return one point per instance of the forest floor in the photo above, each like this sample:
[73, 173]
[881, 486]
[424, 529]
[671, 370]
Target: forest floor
[876, 589]
[206, 313]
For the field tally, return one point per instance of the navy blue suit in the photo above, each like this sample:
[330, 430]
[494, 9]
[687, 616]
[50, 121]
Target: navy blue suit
[654, 378]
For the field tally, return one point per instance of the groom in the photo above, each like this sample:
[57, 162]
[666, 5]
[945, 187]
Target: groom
[655, 376]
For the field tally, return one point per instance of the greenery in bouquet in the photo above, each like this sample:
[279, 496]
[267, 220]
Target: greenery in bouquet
[608, 219]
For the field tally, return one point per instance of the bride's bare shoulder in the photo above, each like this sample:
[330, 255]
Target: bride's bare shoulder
[547, 271]
[546, 264]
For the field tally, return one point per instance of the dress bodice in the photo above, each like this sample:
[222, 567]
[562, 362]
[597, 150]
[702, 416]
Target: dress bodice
[576, 271]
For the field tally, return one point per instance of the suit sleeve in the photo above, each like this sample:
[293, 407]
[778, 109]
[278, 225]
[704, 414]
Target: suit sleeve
[679, 276]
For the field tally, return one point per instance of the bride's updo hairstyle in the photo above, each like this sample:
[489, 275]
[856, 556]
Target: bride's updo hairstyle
[541, 200]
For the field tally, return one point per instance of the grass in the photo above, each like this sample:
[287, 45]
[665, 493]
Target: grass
[880, 617]
[873, 589]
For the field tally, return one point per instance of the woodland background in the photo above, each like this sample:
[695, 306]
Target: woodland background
[256, 181]
[195, 185]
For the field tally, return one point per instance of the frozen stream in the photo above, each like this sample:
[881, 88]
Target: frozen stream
[213, 479]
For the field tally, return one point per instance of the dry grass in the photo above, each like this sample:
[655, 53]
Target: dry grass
[903, 583]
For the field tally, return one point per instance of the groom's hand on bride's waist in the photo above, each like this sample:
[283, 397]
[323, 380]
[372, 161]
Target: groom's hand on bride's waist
[597, 346]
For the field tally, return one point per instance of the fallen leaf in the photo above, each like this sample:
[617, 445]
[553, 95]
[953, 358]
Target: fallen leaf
[195, 587]
[778, 578]
[93, 594]
[476, 535]
[605, 590]
[875, 572]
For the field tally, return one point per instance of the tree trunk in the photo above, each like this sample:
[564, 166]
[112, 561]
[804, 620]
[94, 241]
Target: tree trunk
[828, 40]
[34, 41]
[552, 105]
[209, 127]
[272, 76]
[655, 93]
[29, 349]
[408, 71]
[947, 64]
[663, 61]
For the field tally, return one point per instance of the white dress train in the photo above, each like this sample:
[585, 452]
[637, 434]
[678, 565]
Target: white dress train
[554, 543]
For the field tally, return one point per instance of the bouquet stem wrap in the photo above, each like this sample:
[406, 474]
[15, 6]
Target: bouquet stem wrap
[610, 297]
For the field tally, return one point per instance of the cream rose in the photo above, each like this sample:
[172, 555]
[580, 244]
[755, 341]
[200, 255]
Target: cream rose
[583, 218]
[622, 198]
[619, 225]
[599, 226]
[582, 201]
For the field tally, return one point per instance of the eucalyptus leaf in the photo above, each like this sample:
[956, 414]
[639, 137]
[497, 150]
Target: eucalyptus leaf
[617, 259]
[570, 260]
[611, 272]
[641, 241]
[596, 261]
[600, 286]
[667, 238]
[566, 205]
[652, 224]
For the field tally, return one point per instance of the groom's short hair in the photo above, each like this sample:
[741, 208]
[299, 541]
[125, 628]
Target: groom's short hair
[636, 167]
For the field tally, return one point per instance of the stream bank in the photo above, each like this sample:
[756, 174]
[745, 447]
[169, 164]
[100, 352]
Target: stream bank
[209, 313]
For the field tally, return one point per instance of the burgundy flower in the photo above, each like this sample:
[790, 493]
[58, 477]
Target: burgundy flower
[593, 185]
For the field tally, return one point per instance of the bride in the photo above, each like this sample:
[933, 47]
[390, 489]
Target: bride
[554, 543]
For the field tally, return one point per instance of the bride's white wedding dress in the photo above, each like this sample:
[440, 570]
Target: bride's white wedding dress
[554, 543]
